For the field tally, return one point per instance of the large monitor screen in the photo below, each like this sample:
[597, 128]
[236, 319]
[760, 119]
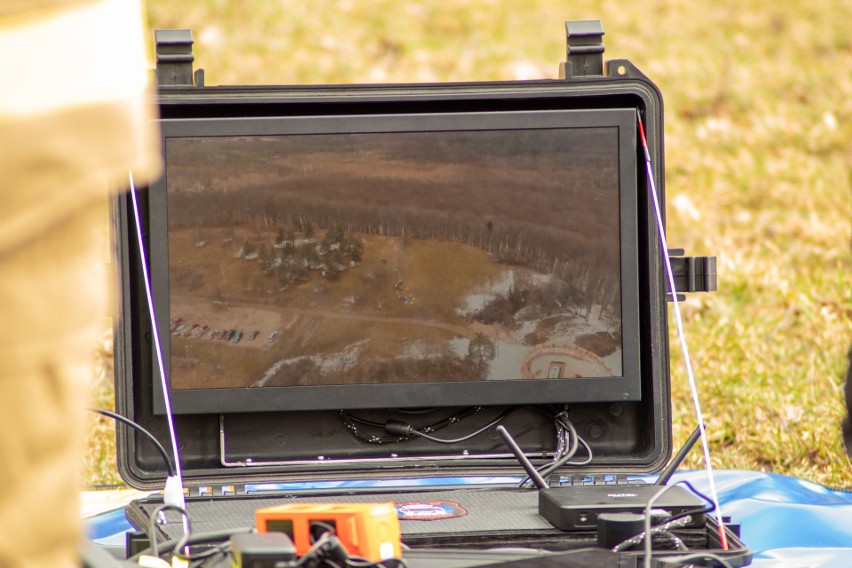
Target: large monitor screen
[398, 261]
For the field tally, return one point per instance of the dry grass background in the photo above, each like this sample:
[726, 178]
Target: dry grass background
[758, 149]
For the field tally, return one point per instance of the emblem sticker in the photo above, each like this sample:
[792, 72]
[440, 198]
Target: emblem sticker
[429, 510]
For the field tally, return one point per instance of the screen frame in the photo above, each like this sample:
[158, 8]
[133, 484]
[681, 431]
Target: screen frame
[624, 388]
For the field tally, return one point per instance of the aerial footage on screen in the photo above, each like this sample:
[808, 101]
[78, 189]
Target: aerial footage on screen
[393, 257]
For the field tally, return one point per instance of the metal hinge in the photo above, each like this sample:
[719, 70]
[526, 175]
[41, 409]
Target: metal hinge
[692, 273]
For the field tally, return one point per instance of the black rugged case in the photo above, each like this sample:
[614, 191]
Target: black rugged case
[628, 438]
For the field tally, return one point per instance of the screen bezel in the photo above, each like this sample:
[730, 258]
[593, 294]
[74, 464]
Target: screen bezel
[624, 388]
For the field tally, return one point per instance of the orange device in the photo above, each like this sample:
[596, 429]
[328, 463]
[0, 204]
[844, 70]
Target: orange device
[370, 530]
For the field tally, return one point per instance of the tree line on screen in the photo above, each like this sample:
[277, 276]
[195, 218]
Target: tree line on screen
[586, 261]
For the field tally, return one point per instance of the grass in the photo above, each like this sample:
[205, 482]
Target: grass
[758, 130]
[99, 467]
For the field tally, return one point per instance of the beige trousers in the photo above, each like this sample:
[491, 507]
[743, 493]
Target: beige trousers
[52, 292]
[74, 120]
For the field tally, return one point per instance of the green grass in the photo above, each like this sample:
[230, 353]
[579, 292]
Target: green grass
[99, 460]
[758, 129]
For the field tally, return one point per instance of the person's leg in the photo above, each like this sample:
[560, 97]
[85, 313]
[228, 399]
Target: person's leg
[75, 118]
[53, 292]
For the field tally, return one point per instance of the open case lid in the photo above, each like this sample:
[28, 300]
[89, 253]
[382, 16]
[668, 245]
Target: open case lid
[341, 272]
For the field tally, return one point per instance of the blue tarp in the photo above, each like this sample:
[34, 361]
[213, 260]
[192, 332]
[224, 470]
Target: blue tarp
[787, 522]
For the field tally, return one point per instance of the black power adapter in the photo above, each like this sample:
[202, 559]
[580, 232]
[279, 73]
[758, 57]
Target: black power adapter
[576, 508]
[262, 550]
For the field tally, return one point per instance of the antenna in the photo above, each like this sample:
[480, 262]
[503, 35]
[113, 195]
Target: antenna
[525, 462]
[669, 470]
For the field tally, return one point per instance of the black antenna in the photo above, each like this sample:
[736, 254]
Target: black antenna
[669, 470]
[525, 462]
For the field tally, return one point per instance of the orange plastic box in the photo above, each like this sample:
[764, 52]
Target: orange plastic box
[369, 530]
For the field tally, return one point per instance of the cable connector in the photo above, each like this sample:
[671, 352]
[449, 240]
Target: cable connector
[173, 492]
[399, 428]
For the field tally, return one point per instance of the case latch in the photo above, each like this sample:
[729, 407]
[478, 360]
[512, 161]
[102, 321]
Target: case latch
[174, 59]
[585, 50]
[692, 273]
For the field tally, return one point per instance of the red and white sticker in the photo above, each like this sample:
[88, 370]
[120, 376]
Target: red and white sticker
[429, 510]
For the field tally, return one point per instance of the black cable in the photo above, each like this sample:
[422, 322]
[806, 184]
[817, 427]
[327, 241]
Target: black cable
[676, 540]
[222, 552]
[550, 468]
[647, 513]
[352, 422]
[567, 443]
[690, 558]
[327, 529]
[329, 550]
[141, 430]
[315, 552]
[647, 540]
[357, 562]
[660, 530]
[153, 525]
[405, 429]
[562, 418]
[452, 419]
[564, 429]
[696, 510]
[181, 544]
[395, 431]
[196, 538]
[199, 557]
[571, 440]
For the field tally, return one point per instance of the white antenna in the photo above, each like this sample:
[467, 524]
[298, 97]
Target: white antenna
[679, 321]
[173, 492]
